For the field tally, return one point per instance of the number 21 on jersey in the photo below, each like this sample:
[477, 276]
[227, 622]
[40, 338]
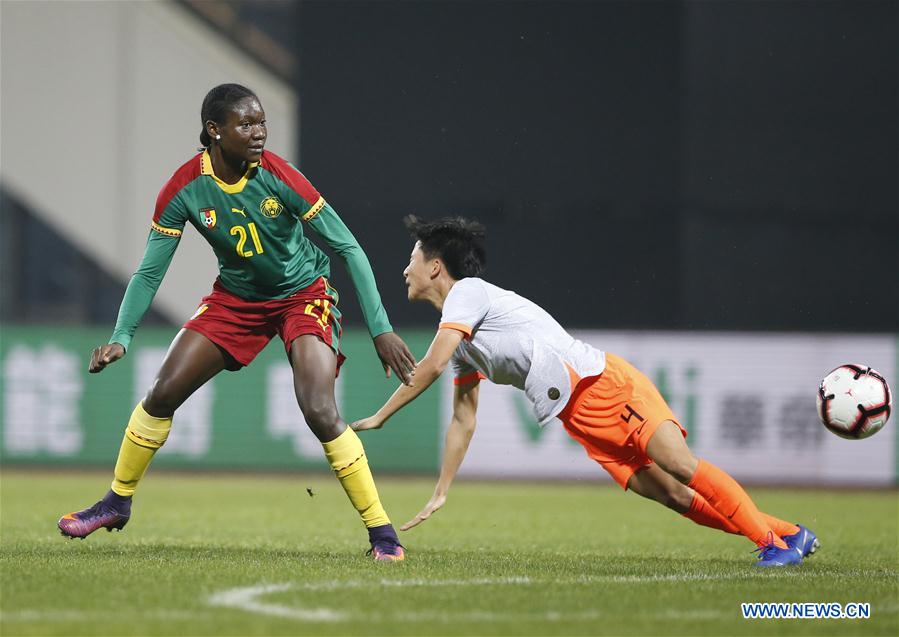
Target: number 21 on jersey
[241, 234]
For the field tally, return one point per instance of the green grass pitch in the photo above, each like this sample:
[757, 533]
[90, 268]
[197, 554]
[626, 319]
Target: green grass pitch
[256, 555]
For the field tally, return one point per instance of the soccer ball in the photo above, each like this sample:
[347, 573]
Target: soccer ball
[854, 401]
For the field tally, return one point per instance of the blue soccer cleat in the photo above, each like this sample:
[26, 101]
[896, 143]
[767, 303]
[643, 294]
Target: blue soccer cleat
[804, 540]
[112, 512]
[772, 555]
[385, 545]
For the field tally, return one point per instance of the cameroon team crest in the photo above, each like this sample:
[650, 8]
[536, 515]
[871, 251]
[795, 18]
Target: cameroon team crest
[208, 215]
[271, 207]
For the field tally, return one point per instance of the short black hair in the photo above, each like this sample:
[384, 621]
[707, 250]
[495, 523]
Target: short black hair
[217, 103]
[458, 242]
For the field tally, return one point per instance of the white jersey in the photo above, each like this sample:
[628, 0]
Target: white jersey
[513, 341]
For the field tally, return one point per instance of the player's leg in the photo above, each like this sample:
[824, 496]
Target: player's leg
[639, 474]
[654, 432]
[654, 483]
[598, 418]
[794, 535]
[314, 369]
[622, 420]
[667, 448]
[704, 514]
[191, 360]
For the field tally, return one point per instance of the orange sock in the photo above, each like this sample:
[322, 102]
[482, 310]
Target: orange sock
[730, 500]
[702, 513]
[780, 527]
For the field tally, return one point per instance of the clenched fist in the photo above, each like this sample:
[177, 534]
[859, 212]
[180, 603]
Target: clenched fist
[104, 355]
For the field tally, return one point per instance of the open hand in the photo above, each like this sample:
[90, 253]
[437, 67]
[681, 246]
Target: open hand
[372, 422]
[433, 504]
[395, 356]
[104, 355]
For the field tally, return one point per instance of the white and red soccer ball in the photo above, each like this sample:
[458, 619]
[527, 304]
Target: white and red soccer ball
[854, 401]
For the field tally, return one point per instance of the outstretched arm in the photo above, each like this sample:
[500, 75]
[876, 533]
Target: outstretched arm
[393, 352]
[461, 429]
[138, 297]
[429, 369]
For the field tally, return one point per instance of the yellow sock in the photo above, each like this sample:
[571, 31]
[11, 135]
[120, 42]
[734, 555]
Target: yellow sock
[143, 436]
[347, 457]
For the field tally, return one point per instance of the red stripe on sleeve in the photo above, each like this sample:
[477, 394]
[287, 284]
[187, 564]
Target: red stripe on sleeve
[290, 176]
[469, 378]
[183, 176]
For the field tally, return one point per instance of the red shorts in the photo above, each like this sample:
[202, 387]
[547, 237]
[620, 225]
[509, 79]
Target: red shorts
[243, 328]
[614, 415]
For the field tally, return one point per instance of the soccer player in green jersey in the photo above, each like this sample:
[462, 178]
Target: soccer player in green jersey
[250, 206]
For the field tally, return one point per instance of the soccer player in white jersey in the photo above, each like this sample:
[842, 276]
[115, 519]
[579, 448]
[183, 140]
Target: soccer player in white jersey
[603, 402]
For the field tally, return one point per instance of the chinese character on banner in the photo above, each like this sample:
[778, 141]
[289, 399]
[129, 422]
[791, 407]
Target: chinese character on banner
[742, 420]
[42, 394]
[192, 426]
[799, 425]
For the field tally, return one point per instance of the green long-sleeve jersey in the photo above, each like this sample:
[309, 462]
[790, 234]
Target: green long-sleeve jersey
[255, 228]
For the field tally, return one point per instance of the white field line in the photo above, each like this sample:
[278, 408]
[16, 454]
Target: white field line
[455, 617]
[247, 598]
[72, 615]
[695, 615]
[49, 615]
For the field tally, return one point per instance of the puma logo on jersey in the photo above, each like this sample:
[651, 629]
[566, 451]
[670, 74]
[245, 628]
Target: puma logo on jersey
[239, 211]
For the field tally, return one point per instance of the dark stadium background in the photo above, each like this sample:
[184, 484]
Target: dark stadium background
[685, 165]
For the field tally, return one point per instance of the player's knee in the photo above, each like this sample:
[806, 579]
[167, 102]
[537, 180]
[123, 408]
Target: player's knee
[681, 466]
[323, 420]
[670, 501]
[162, 399]
[685, 468]
[679, 498]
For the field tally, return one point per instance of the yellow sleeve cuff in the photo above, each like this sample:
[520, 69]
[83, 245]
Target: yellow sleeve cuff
[169, 232]
[314, 210]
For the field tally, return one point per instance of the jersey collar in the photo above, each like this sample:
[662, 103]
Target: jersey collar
[206, 169]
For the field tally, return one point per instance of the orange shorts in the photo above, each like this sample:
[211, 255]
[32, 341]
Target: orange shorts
[614, 415]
